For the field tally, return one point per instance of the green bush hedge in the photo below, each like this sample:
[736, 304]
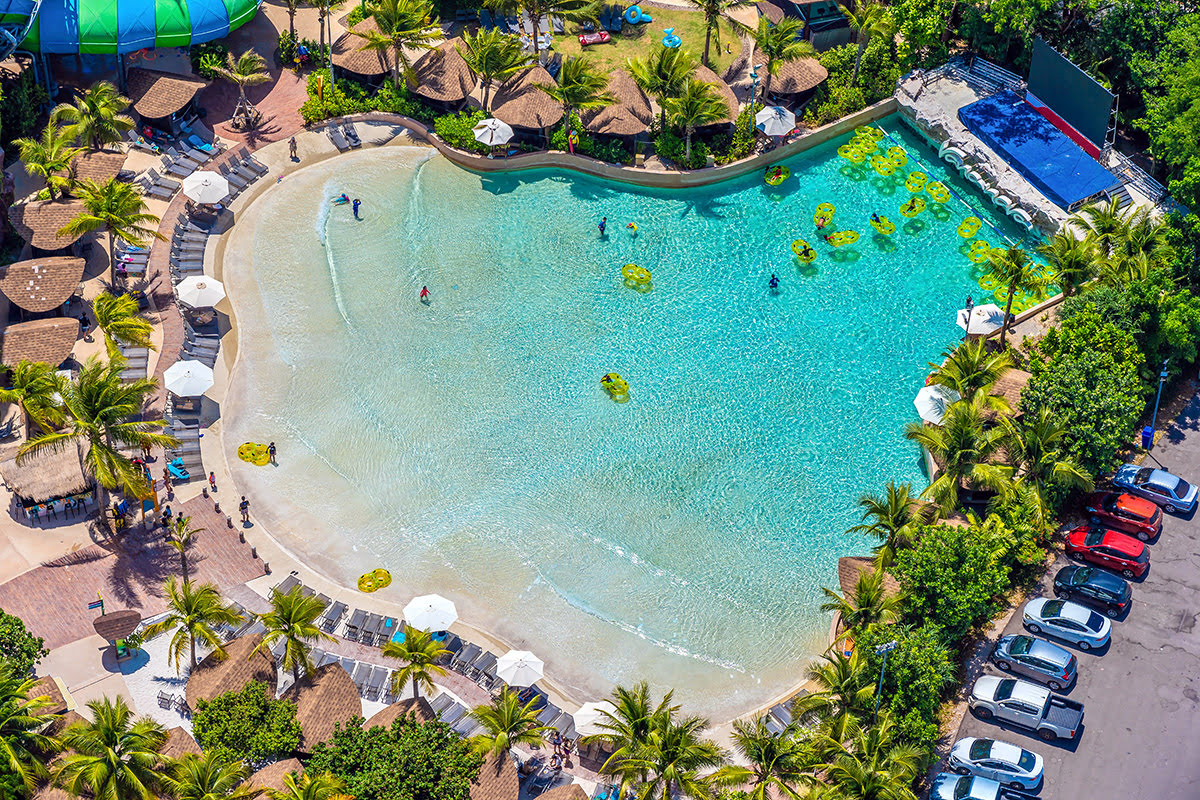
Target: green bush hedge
[612, 151]
[457, 130]
[349, 97]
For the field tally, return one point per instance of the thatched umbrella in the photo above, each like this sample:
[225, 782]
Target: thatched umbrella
[323, 699]
[118, 624]
[628, 115]
[47, 475]
[572, 791]
[215, 675]
[795, 77]
[42, 284]
[48, 340]
[705, 74]
[38, 222]
[850, 567]
[442, 75]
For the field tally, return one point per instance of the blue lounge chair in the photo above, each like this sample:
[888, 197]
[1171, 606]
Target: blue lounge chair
[485, 19]
[178, 471]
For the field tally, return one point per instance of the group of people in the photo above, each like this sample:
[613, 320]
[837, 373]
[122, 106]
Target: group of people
[342, 199]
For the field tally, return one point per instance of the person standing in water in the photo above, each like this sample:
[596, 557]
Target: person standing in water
[356, 204]
[603, 224]
[425, 295]
[774, 282]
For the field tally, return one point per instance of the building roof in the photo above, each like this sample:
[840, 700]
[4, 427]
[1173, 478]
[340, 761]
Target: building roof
[62, 723]
[179, 743]
[323, 699]
[47, 475]
[521, 103]
[419, 708]
[47, 687]
[443, 75]
[49, 341]
[347, 52]
[795, 77]
[1010, 386]
[849, 569]
[271, 776]
[97, 165]
[705, 74]
[571, 791]
[42, 284]
[628, 115]
[214, 676]
[497, 780]
[38, 222]
[160, 94]
[118, 624]
[772, 12]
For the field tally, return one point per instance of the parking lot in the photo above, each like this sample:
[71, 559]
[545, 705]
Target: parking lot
[1141, 695]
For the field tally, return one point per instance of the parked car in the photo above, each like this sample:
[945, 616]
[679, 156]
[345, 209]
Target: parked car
[1110, 549]
[1036, 658]
[948, 786]
[1136, 516]
[1065, 620]
[998, 761]
[599, 37]
[1158, 486]
[1027, 705]
[1094, 587]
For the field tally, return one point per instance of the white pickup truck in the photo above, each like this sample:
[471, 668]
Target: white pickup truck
[1027, 705]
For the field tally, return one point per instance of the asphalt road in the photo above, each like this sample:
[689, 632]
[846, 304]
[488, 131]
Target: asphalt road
[1141, 695]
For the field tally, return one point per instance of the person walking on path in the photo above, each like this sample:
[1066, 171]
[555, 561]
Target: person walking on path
[212, 480]
[271, 453]
[292, 149]
[244, 507]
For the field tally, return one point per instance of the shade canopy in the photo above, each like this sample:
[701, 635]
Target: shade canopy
[42, 284]
[932, 402]
[118, 624]
[188, 378]
[200, 291]
[49, 341]
[590, 717]
[519, 668]
[492, 132]
[215, 675]
[627, 115]
[775, 121]
[206, 187]
[324, 699]
[703, 73]
[985, 319]
[47, 474]
[430, 612]
[39, 222]
[442, 74]
[350, 53]
[124, 26]
[160, 94]
[521, 102]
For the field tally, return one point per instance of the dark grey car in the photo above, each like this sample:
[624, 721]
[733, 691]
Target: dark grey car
[1035, 658]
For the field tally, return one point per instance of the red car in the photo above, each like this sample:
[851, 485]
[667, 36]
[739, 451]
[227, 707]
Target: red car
[1109, 549]
[599, 37]
[1125, 513]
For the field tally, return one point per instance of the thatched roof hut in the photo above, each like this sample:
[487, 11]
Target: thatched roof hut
[1010, 386]
[419, 708]
[47, 686]
[214, 676]
[118, 624]
[705, 74]
[347, 53]
[794, 77]
[47, 476]
[850, 567]
[160, 94]
[97, 165]
[38, 222]
[62, 723]
[628, 115]
[571, 791]
[49, 341]
[42, 284]
[272, 775]
[179, 743]
[772, 12]
[323, 699]
[520, 102]
[497, 780]
[442, 74]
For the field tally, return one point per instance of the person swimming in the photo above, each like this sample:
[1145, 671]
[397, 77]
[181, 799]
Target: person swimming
[808, 251]
[774, 282]
[341, 199]
[822, 222]
[602, 225]
[828, 236]
[632, 228]
[875, 218]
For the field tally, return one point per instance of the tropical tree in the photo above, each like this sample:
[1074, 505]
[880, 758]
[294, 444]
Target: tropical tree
[662, 74]
[1103, 224]
[713, 10]
[1037, 451]
[1138, 247]
[673, 759]
[697, 105]
[248, 69]
[626, 729]
[49, 157]
[776, 764]
[292, 7]
[323, 12]
[538, 10]
[293, 620]
[895, 519]
[971, 368]
[33, 387]
[325, 786]
[115, 757]
[780, 44]
[95, 119]
[116, 208]
[965, 450]
[870, 19]
[100, 411]
[491, 56]
[181, 536]
[207, 777]
[873, 765]
[403, 24]
[868, 604]
[580, 86]
[420, 653]
[23, 741]
[1014, 269]
[506, 722]
[1074, 260]
[845, 691]
[119, 317]
[192, 611]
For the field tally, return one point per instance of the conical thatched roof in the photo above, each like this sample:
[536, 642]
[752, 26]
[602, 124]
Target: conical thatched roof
[42, 284]
[49, 341]
[214, 676]
[47, 476]
[705, 74]
[572, 791]
[158, 94]
[1010, 386]
[117, 624]
[849, 569]
[497, 780]
[520, 102]
[795, 77]
[325, 698]
[271, 776]
[347, 52]
[628, 115]
[443, 75]
[179, 743]
[419, 708]
[97, 165]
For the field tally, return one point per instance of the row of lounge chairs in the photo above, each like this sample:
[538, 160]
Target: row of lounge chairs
[516, 26]
[612, 18]
[343, 135]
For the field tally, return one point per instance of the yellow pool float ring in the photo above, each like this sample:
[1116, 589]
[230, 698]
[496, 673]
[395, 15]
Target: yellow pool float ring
[898, 159]
[989, 282]
[916, 181]
[857, 156]
[875, 134]
[257, 454]
[914, 206]
[846, 150]
[616, 386]
[978, 256]
[896, 151]
[839, 238]
[374, 580]
[776, 175]
[824, 214]
[804, 251]
[882, 165]
[938, 191]
[864, 144]
[884, 226]
[632, 273]
[969, 227]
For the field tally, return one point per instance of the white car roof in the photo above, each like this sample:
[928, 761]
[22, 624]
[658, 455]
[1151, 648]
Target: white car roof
[1030, 692]
[1072, 611]
[1006, 752]
[983, 788]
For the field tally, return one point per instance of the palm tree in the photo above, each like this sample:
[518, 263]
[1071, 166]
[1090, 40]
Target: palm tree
[1103, 224]
[403, 24]
[896, 518]
[122, 322]
[192, 611]
[101, 412]
[538, 10]
[492, 56]
[323, 11]
[420, 653]
[292, 7]
[673, 758]
[208, 777]
[780, 44]
[713, 10]
[870, 20]
[844, 694]
[113, 758]
[697, 105]
[1139, 247]
[662, 74]
[95, 119]
[1074, 260]
[506, 723]
[778, 763]
[248, 69]
[626, 729]
[970, 368]
[867, 605]
[873, 765]
[117, 208]
[964, 449]
[181, 536]
[34, 389]
[49, 157]
[1014, 269]
[325, 786]
[23, 741]
[1035, 450]
[579, 86]
[293, 620]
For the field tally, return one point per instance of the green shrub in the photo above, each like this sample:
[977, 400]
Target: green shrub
[350, 97]
[837, 103]
[206, 56]
[287, 48]
[21, 101]
[356, 15]
[673, 148]
[612, 151]
[919, 671]
[247, 725]
[19, 649]
[457, 130]
[740, 144]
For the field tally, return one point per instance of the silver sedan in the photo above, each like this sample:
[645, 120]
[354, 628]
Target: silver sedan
[1002, 762]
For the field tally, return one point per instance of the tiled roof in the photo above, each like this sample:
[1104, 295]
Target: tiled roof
[347, 52]
[46, 340]
[40, 221]
[160, 94]
[323, 699]
[497, 780]
[42, 284]
[97, 165]
[629, 114]
[214, 676]
[521, 103]
[443, 75]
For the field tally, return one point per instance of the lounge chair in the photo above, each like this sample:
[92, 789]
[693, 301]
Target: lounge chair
[138, 142]
[183, 158]
[375, 684]
[453, 714]
[548, 714]
[540, 782]
[441, 703]
[452, 645]
[463, 659]
[247, 159]
[603, 17]
[196, 143]
[465, 726]
[616, 18]
[150, 189]
[486, 660]
[362, 674]
[544, 25]
[180, 168]
[348, 664]
[352, 627]
[351, 134]
[485, 19]
[557, 25]
[177, 470]
[199, 156]
[370, 628]
[554, 65]
[333, 614]
[286, 585]
[335, 136]
[6, 430]
[233, 178]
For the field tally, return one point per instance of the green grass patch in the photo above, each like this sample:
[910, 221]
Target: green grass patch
[637, 40]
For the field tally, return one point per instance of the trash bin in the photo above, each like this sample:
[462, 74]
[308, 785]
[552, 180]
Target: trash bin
[1147, 437]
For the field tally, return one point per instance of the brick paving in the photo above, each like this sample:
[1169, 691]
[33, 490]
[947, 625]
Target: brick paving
[129, 572]
[278, 101]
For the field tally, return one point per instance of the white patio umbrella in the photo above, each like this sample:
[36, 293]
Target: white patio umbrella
[492, 132]
[206, 186]
[200, 291]
[775, 121]
[932, 402]
[430, 612]
[984, 319]
[518, 668]
[591, 716]
[188, 379]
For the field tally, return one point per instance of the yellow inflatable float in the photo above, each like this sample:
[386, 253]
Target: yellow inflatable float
[979, 251]
[969, 227]
[635, 277]
[866, 131]
[776, 175]
[839, 238]
[938, 191]
[914, 206]
[374, 580]
[882, 165]
[823, 215]
[804, 251]
[257, 454]
[884, 226]
[916, 181]
[616, 387]
[851, 154]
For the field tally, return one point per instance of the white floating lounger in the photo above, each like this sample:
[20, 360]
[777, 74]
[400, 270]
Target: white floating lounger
[1021, 218]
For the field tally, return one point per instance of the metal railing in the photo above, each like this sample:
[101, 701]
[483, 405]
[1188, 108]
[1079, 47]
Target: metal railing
[1135, 176]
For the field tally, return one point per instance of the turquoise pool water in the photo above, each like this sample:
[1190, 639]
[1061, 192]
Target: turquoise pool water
[467, 446]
